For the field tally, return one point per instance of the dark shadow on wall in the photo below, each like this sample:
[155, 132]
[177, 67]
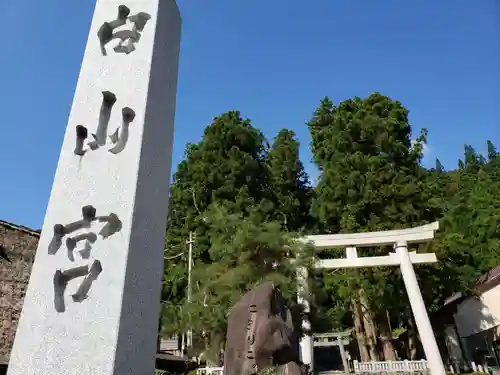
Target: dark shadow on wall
[482, 347]
[456, 319]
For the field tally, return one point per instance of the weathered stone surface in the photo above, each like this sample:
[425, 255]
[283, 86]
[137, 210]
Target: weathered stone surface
[260, 334]
[17, 251]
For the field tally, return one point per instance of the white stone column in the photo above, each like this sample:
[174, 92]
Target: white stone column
[93, 299]
[422, 321]
[306, 342]
[343, 354]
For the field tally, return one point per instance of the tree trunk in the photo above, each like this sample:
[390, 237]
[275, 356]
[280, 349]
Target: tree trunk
[360, 332]
[369, 325]
[386, 337]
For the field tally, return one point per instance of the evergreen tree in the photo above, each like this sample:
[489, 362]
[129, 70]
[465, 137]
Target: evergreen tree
[288, 182]
[439, 167]
[226, 167]
[245, 250]
[228, 191]
[371, 180]
[492, 152]
[246, 204]
[469, 241]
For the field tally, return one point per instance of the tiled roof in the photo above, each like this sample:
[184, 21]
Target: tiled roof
[20, 228]
[485, 282]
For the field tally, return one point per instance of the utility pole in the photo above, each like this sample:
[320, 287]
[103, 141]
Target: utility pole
[190, 242]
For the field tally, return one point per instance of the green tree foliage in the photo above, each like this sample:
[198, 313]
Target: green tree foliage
[225, 167]
[288, 182]
[370, 181]
[240, 199]
[371, 170]
[245, 250]
[247, 202]
[469, 240]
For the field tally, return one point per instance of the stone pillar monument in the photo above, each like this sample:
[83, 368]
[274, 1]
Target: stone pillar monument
[93, 299]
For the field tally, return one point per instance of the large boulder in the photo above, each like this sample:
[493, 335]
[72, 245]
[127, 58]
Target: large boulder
[260, 334]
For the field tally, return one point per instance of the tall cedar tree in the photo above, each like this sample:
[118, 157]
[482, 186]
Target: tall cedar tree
[225, 167]
[469, 238]
[245, 250]
[228, 190]
[289, 185]
[370, 180]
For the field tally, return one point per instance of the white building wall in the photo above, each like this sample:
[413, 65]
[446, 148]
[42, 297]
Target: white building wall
[475, 315]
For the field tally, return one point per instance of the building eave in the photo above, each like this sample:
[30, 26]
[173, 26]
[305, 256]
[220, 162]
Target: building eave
[20, 228]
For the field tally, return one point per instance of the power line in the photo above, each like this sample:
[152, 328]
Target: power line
[174, 256]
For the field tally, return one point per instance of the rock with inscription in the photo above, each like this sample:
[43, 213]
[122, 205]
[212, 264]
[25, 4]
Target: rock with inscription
[260, 334]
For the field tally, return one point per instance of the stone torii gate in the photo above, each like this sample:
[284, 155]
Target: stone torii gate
[399, 239]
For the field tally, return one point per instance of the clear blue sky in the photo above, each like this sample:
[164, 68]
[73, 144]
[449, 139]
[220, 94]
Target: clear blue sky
[271, 59]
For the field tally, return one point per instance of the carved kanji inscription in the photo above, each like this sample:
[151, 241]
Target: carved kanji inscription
[126, 29]
[75, 234]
